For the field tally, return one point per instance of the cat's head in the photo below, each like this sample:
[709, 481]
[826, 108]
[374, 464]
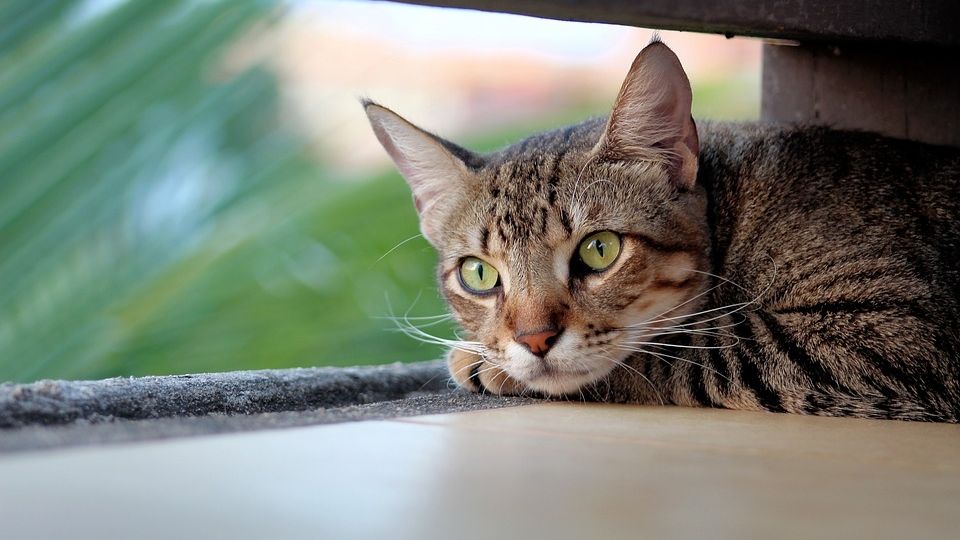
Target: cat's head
[562, 253]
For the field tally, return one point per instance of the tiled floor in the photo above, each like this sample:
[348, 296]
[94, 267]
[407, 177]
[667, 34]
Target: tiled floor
[541, 471]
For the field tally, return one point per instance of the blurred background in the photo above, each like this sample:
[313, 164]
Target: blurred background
[191, 186]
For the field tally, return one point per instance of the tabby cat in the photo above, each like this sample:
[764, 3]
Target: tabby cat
[641, 258]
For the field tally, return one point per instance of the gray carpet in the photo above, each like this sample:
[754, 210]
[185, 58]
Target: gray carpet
[53, 414]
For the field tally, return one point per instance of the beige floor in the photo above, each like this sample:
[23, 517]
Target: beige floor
[545, 471]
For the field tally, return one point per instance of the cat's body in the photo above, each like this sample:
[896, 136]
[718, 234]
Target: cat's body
[640, 259]
[847, 247]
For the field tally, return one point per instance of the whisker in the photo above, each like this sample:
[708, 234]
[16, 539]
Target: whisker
[419, 325]
[661, 355]
[491, 367]
[607, 357]
[739, 306]
[442, 317]
[721, 278]
[394, 248]
[469, 366]
[695, 314]
[677, 346]
[674, 308]
[413, 331]
[667, 330]
[692, 332]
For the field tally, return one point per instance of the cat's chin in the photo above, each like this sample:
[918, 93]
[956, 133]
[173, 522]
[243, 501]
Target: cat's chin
[559, 383]
[556, 375]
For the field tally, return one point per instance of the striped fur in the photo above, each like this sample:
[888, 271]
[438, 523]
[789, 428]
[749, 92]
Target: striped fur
[807, 271]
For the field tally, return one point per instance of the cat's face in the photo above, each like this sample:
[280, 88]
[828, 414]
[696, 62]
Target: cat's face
[562, 254]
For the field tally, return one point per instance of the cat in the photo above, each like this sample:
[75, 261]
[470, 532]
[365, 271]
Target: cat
[640, 258]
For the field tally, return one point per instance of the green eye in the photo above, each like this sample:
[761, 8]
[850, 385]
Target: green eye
[477, 275]
[600, 249]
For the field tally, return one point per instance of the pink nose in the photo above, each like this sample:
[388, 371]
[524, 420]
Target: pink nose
[538, 342]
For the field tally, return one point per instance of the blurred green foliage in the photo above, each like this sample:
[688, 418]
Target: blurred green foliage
[156, 218]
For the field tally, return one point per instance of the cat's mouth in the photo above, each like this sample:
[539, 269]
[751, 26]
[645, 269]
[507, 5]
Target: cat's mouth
[563, 370]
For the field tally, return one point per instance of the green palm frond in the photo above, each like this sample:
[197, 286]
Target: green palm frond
[155, 221]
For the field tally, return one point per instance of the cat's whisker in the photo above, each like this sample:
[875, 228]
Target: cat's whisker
[505, 379]
[724, 280]
[404, 324]
[621, 363]
[713, 331]
[677, 328]
[469, 366]
[419, 334]
[442, 316]
[394, 248]
[657, 318]
[738, 305]
[691, 299]
[661, 355]
[429, 321]
[691, 331]
[677, 346]
[415, 332]
[492, 367]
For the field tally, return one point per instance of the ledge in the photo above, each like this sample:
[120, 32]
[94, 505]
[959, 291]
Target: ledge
[50, 414]
[238, 392]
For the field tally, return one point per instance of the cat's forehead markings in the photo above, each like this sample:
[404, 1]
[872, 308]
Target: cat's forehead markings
[485, 239]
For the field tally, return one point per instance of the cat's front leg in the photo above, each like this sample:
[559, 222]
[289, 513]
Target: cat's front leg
[476, 374]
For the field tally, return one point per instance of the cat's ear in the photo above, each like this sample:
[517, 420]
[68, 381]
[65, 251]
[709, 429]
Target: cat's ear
[434, 169]
[651, 118]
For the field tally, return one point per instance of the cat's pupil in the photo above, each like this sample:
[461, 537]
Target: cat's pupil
[480, 271]
[599, 246]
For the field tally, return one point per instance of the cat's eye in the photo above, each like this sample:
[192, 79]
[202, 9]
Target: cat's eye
[599, 250]
[478, 275]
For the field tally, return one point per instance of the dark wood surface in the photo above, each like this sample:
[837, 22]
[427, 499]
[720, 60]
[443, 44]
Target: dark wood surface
[932, 22]
[904, 92]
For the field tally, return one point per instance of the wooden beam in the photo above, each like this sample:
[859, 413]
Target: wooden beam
[931, 22]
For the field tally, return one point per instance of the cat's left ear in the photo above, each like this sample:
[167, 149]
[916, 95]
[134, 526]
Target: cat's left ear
[651, 118]
[434, 169]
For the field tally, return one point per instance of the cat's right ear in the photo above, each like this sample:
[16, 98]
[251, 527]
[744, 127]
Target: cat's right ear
[651, 118]
[430, 168]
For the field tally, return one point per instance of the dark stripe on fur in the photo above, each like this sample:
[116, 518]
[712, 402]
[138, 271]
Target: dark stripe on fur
[719, 364]
[696, 373]
[749, 356]
[820, 376]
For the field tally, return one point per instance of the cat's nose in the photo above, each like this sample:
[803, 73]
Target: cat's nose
[540, 341]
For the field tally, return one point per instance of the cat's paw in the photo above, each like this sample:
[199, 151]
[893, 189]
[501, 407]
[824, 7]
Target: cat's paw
[477, 375]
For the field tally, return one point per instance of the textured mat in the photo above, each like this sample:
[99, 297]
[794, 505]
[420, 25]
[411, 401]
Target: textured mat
[50, 414]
